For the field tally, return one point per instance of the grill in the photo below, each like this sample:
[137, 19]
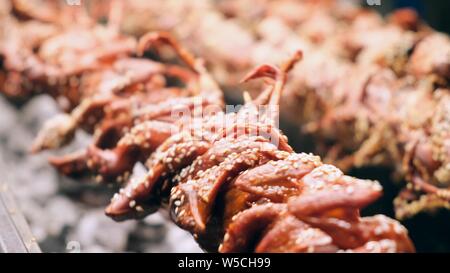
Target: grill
[15, 234]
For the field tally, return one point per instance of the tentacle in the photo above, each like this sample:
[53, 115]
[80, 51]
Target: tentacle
[176, 153]
[410, 203]
[277, 74]
[74, 165]
[207, 87]
[152, 38]
[137, 71]
[349, 235]
[205, 188]
[55, 133]
[419, 163]
[249, 225]
[60, 130]
[137, 145]
[278, 180]
[114, 165]
[289, 234]
[328, 189]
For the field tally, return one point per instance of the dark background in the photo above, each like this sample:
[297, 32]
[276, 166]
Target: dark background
[435, 12]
